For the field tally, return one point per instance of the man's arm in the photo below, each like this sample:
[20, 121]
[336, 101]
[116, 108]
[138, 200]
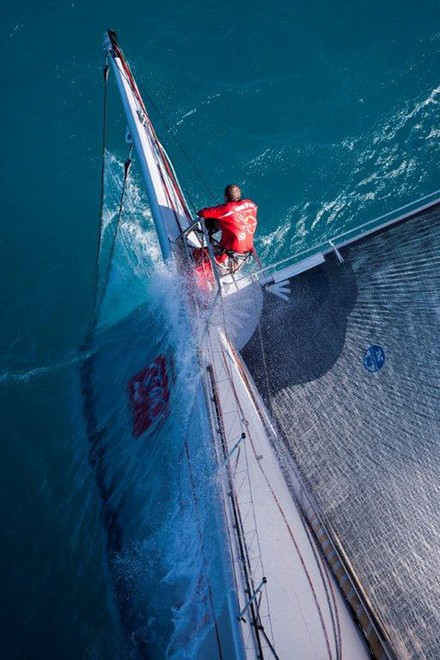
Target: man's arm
[211, 215]
[216, 212]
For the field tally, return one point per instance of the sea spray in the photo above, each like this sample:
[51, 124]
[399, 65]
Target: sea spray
[156, 481]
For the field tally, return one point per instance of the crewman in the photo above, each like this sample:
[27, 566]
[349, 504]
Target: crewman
[237, 220]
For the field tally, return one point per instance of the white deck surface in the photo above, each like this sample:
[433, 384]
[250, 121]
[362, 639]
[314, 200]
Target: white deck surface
[302, 617]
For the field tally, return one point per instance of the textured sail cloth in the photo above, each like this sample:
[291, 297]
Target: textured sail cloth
[350, 369]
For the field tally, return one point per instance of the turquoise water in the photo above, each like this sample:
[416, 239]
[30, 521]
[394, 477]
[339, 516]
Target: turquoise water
[326, 114]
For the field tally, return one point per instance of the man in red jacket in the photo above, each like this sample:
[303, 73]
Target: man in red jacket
[237, 220]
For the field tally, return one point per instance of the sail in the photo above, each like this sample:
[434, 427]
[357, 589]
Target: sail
[167, 202]
[146, 418]
[347, 358]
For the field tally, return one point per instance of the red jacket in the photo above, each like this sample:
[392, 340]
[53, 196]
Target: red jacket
[238, 222]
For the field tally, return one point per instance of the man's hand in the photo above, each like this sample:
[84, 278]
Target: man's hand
[212, 227]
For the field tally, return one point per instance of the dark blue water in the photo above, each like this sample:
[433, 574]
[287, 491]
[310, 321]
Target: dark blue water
[326, 114]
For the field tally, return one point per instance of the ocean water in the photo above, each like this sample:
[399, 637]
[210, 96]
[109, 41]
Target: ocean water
[325, 113]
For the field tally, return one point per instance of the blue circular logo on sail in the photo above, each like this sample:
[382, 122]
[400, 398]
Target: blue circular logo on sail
[374, 358]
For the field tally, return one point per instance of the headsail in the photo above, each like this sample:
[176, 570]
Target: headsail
[348, 362]
[151, 468]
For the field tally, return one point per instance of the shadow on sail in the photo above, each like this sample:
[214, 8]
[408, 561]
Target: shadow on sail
[320, 302]
[348, 362]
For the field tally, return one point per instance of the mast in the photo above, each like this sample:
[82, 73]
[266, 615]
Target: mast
[168, 205]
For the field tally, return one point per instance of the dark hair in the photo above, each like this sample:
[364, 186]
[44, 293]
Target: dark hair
[232, 193]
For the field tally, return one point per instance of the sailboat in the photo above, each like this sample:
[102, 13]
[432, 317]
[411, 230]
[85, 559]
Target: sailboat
[281, 575]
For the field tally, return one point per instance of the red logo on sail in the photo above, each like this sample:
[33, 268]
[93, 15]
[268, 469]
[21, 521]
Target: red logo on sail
[149, 395]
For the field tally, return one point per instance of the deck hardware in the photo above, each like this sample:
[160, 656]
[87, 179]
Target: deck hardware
[336, 251]
[234, 448]
[252, 598]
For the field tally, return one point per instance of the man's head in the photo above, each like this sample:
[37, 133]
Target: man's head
[232, 193]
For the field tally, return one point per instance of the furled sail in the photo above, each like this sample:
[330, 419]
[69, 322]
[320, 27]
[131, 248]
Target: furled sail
[347, 358]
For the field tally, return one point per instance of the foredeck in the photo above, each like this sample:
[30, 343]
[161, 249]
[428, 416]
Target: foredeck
[282, 581]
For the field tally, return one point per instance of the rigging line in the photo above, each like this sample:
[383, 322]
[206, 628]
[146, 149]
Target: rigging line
[223, 499]
[163, 162]
[126, 71]
[333, 611]
[109, 514]
[324, 571]
[289, 529]
[170, 171]
[201, 537]
[127, 165]
[243, 423]
[327, 583]
[174, 188]
[273, 494]
[239, 525]
[104, 139]
[228, 467]
[93, 320]
[250, 588]
[301, 558]
[128, 76]
[171, 175]
[180, 146]
[202, 542]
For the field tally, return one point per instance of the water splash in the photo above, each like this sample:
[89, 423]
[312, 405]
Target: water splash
[157, 488]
